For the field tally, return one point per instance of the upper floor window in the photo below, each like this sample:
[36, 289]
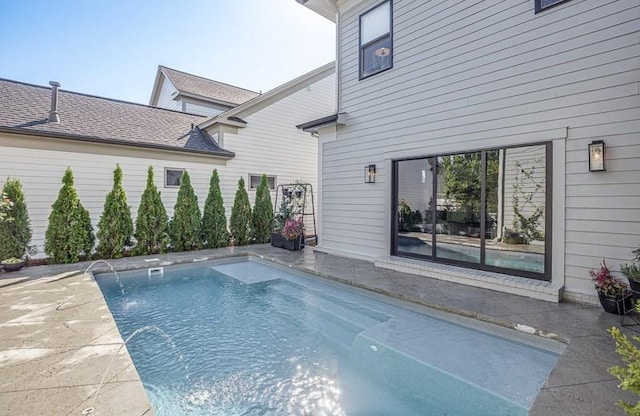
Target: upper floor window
[545, 4]
[376, 48]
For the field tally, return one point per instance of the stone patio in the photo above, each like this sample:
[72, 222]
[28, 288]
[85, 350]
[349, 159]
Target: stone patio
[59, 343]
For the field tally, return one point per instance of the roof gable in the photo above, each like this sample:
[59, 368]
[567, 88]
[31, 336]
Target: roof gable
[203, 88]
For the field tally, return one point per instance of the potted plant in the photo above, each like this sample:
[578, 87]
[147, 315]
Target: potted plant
[292, 235]
[12, 264]
[510, 236]
[613, 292]
[632, 273]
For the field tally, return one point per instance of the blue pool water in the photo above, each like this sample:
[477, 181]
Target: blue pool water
[248, 338]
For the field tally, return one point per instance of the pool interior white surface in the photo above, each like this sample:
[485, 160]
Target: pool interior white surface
[248, 338]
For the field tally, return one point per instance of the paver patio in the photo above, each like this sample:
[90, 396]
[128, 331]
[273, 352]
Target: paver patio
[58, 341]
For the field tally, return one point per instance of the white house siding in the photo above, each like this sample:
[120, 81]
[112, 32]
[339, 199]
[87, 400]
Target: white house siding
[166, 94]
[475, 74]
[39, 163]
[202, 108]
[271, 144]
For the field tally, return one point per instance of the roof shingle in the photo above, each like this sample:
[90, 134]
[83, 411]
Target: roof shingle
[25, 108]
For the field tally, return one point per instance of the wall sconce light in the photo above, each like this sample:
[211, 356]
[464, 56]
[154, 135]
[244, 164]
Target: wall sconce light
[370, 174]
[596, 156]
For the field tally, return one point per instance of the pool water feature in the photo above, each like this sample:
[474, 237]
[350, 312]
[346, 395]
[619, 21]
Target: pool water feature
[263, 340]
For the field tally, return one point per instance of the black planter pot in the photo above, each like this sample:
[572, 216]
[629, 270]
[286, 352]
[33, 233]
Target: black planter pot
[12, 267]
[635, 288]
[618, 305]
[277, 240]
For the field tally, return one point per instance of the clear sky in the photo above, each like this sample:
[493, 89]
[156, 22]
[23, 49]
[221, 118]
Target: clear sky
[112, 48]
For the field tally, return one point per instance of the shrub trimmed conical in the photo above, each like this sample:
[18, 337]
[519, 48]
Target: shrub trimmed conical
[152, 224]
[263, 212]
[214, 220]
[185, 227]
[241, 223]
[15, 227]
[115, 227]
[69, 233]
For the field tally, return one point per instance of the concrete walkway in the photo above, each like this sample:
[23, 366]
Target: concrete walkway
[59, 343]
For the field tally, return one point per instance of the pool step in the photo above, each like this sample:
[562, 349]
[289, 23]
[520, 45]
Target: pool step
[357, 315]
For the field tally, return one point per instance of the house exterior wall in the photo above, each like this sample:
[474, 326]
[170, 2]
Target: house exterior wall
[202, 108]
[475, 75]
[271, 144]
[166, 94]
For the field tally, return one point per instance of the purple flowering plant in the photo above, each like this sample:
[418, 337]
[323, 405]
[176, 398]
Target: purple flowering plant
[293, 229]
[606, 283]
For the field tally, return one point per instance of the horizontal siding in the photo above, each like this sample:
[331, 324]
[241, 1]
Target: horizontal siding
[165, 97]
[269, 144]
[472, 75]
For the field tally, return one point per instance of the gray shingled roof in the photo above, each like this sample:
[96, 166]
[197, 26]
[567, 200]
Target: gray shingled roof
[25, 108]
[218, 91]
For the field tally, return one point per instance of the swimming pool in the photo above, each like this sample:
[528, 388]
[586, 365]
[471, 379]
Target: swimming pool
[248, 338]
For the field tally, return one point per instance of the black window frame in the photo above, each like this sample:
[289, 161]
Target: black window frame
[546, 276]
[175, 170]
[362, 47]
[253, 188]
[539, 8]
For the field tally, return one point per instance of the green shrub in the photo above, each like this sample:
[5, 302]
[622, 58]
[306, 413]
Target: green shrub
[241, 221]
[152, 224]
[69, 233]
[263, 212]
[185, 226]
[214, 220]
[15, 227]
[629, 375]
[115, 227]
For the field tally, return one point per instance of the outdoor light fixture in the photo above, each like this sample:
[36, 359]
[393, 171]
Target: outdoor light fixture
[370, 174]
[596, 156]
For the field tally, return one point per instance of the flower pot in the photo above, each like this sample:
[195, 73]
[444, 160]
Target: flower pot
[635, 288]
[12, 267]
[618, 305]
[277, 240]
[514, 239]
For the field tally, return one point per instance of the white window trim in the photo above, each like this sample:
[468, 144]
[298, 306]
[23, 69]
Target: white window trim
[165, 177]
[275, 181]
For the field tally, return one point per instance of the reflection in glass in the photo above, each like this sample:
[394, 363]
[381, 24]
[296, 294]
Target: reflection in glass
[458, 207]
[415, 191]
[516, 181]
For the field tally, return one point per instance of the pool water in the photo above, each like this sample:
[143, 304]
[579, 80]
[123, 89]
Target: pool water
[248, 338]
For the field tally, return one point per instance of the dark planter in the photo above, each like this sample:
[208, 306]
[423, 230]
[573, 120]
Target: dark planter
[618, 305]
[514, 239]
[635, 288]
[277, 240]
[12, 267]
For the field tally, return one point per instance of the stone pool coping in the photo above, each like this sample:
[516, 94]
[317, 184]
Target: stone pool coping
[52, 361]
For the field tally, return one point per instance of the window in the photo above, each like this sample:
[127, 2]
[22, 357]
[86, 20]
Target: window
[545, 4]
[376, 49]
[482, 209]
[254, 181]
[172, 177]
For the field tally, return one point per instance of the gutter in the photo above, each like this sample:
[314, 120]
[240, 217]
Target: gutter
[224, 154]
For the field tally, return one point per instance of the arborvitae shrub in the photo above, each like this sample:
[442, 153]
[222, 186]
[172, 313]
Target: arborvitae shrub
[152, 224]
[263, 212]
[241, 223]
[115, 227]
[185, 226]
[15, 227]
[214, 220]
[69, 233]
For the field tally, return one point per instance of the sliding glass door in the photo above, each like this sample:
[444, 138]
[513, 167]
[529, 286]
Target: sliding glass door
[483, 209]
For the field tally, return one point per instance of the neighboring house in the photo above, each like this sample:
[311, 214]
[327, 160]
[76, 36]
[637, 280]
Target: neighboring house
[477, 118]
[95, 133]
[177, 90]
